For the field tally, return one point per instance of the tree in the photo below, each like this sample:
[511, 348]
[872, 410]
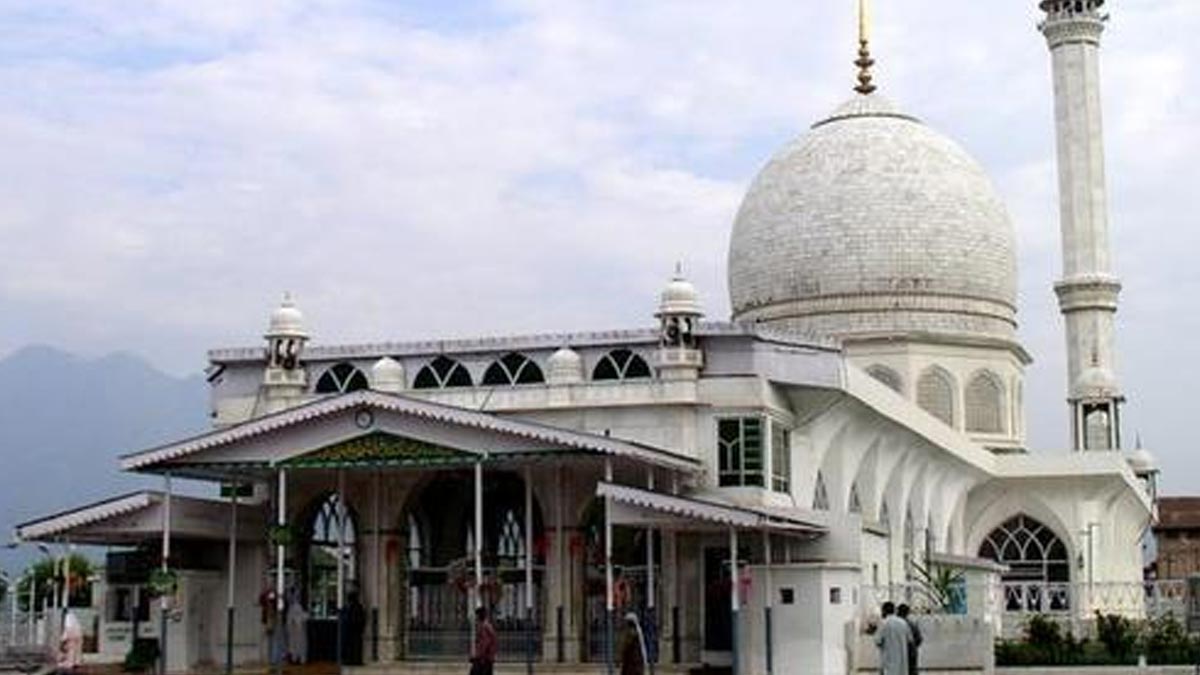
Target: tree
[48, 575]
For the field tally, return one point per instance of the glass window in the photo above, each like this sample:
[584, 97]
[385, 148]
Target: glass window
[323, 556]
[781, 458]
[620, 364]
[440, 373]
[740, 450]
[511, 369]
[341, 378]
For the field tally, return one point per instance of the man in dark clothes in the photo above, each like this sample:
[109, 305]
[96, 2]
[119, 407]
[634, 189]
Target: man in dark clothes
[914, 645]
[632, 654]
[352, 639]
[483, 656]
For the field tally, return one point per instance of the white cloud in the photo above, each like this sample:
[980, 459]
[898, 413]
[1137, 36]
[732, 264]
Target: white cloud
[407, 172]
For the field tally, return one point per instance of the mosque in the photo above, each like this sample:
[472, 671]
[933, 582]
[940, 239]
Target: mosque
[750, 488]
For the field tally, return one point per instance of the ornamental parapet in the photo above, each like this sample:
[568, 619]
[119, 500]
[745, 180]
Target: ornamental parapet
[1088, 292]
[1073, 28]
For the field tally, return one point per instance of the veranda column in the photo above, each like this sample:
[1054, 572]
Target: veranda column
[341, 569]
[528, 570]
[768, 593]
[66, 594]
[280, 555]
[734, 600]
[166, 557]
[376, 566]
[651, 619]
[231, 591]
[479, 533]
[560, 564]
[608, 572]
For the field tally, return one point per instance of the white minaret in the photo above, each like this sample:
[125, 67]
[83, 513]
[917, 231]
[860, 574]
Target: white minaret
[1087, 293]
[285, 379]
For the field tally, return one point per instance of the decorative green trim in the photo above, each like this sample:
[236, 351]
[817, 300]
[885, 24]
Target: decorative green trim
[382, 449]
[162, 582]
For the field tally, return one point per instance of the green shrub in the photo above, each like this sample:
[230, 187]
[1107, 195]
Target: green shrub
[142, 656]
[1118, 634]
[1165, 641]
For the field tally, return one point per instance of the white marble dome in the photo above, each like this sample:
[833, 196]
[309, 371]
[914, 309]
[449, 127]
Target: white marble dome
[872, 224]
[565, 366]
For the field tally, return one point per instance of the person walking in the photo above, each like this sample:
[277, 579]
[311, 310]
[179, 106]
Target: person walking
[632, 655]
[483, 656]
[70, 649]
[892, 639]
[914, 644]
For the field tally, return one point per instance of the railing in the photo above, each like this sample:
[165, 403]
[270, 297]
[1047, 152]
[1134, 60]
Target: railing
[1010, 604]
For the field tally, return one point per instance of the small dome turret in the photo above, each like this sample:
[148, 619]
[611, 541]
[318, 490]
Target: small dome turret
[679, 297]
[565, 366]
[286, 320]
[387, 375]
[1142, 462]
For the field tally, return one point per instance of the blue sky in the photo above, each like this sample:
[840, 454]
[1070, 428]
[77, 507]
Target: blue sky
[428, 169]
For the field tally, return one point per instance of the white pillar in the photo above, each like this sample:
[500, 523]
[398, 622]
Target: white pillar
[341, 568]
[66, 594]
[166, 558]
[734, 595]
[377, 565]
[560, 563]
[231, 590]
[609, 605]
[280, 559]
[768, 601]
[479, 533]
[529, 569]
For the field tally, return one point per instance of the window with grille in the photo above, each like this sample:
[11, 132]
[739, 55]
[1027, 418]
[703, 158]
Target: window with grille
[781, 458]
[513, 368]
[740, 450]
[441, 373]
[620, 364]
[985, 404]
[341, 378]
[935, 394]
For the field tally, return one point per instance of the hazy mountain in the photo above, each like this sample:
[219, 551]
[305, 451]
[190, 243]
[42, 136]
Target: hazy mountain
[64, 420]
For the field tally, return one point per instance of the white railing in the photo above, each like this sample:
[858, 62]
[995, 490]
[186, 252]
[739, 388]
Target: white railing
[1012, 602]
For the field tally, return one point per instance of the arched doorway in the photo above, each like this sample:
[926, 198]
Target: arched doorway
[318, 588]
[1039, 566]
[439, 572]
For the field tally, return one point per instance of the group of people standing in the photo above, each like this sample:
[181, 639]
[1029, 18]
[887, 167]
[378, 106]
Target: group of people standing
[899, 641]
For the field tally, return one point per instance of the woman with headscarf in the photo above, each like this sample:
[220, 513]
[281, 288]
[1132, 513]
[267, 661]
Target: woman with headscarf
[71, 644]
[633, 647]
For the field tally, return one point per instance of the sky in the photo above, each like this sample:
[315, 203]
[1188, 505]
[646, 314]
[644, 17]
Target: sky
[439, 169]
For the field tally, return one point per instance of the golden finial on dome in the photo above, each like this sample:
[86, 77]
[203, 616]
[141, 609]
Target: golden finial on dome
[864, 60]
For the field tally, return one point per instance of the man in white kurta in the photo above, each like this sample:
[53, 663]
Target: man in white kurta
[892, 639]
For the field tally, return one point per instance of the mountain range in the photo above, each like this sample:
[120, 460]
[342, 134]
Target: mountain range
[65, 419]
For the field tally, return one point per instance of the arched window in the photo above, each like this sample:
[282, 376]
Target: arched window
[820, 494]
[512, 368]
[414, 542]
[441, 373]
[984, 399]
[855, 501]
[620, 364]
[889, 378]
[323, 556]
[1039, 566]
[341, 378]
[510, 547]
[935, 394]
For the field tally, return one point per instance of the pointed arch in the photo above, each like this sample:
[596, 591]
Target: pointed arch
[935, 393]
[341, 378]
[1036, 558]
[513, 368]
[441, 373]
[621, 364]
[820, 494]
[321, 553]
[984, 403]
[855, 503]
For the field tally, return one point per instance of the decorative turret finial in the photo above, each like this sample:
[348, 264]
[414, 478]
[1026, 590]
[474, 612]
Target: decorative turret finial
[864, 60]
